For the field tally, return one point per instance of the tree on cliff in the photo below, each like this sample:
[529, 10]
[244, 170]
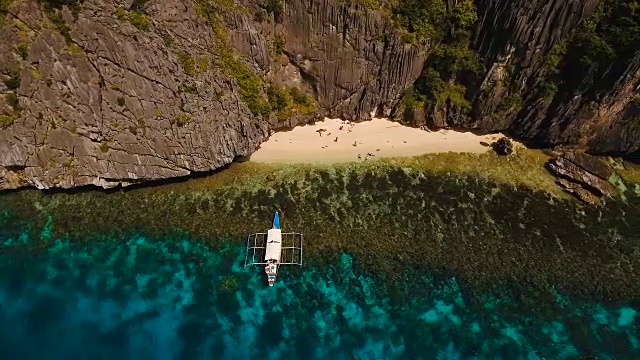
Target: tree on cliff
[450, 55]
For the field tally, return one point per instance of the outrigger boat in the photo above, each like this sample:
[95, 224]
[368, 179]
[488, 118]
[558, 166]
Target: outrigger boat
[279, 249]
[273, 251]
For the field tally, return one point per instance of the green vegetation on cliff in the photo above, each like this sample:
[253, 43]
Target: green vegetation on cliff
[283, 102]
[249, 83]
[288, 102]
[589, 62]
[451, 55]
[7, 120]
[596, 55]
[4, 10]
[12, 82]
[136, 17]
[187, 62]
[421, 20]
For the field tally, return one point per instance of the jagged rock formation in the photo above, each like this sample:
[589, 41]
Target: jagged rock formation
[351, 56]
[515, 39]
[108, 104]
[111, 92]
[583, 175]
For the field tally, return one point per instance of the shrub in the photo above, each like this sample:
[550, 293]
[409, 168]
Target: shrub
[287, 102]
[35, 73]
[464, 15]
[121, 13]
[259, 16]
[104, 146]
[181, 119]
[23, 50]
[601, 46]
[135, 17]
[278, 98]
[63, 28]
[553, 59]
[411, 99]
[13, 82]
[13, 101]
[277, 47]
[371, 4]
[249, 83]
[548, 91]
[191, 89]
[421, 19]
[304, 103]
[138, 20]
[510, 103]
[203, 64]
[455, 94]
[74, 49]
[120, 101]
[186, 62]
[7, 120]
[4, 10]
[276, 8]
[59, 3]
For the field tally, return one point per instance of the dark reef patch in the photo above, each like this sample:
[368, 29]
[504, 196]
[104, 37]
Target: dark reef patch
[454, 225]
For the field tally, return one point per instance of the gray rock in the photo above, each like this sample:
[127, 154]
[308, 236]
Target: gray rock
[101, 108]
[575, 174]
[111, 104]
[503, 146]
[578, 191]
[589, 163]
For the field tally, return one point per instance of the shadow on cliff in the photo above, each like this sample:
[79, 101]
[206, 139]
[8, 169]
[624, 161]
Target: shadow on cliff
[135, 186]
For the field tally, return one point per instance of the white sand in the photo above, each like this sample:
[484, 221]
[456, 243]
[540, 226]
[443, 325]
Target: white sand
[379, 137]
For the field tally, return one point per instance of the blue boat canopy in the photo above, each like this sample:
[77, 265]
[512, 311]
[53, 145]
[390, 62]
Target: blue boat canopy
[276, 221]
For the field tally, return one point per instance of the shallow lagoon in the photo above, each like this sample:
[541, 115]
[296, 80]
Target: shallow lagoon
[399, 263]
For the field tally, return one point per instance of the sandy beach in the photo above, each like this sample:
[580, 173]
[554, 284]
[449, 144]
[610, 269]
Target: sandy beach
[335, 140]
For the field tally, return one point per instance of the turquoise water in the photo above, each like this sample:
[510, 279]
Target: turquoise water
[139, 297]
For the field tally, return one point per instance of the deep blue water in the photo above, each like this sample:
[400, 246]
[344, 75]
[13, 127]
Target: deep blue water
[136, 297]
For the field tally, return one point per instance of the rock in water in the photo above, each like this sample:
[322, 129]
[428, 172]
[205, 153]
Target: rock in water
[578, 191]
[503, 146]
[581, 175]
[590, 163]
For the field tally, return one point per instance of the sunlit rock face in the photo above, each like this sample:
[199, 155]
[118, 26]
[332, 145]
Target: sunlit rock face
[109, 92]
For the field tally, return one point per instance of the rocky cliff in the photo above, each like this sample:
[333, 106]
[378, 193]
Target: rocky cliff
[109, 92]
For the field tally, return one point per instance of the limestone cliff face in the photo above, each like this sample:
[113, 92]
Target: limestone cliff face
[110, 92]
[104, 102]
[594, 117]
[599, 113]
[350, 55]
[111, 104]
